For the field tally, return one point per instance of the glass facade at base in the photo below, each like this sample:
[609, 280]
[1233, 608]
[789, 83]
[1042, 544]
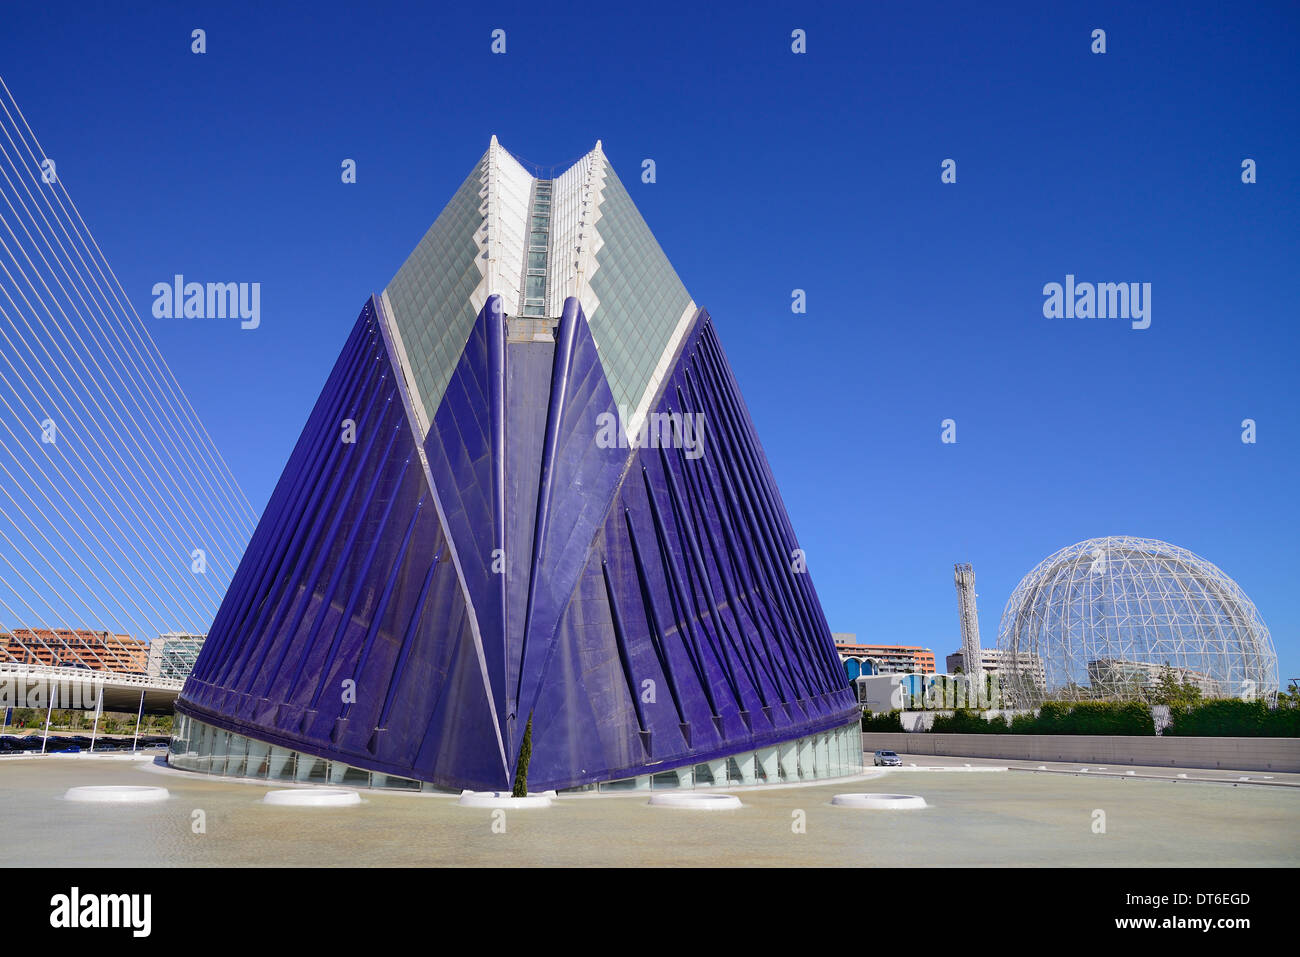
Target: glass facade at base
[196, 746]
[836, 753]
[200, 747]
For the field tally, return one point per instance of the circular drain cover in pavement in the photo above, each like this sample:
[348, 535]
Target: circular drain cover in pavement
[696, 802]
[880, 802]
[313, 797]
[503, 799]
[117, 794]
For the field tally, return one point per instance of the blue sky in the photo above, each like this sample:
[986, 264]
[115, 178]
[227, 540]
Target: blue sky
[776, 171]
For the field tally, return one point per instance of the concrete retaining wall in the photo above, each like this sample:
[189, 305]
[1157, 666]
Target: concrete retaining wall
[1237, 754]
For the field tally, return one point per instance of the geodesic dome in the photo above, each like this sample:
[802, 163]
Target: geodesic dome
[1105, 618]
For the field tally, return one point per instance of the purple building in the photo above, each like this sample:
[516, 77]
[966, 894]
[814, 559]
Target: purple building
[530, 488]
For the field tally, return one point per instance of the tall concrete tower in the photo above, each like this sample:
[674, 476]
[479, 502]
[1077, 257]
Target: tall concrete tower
[964, 576]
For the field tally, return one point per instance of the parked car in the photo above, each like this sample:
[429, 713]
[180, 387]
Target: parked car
[888, 759]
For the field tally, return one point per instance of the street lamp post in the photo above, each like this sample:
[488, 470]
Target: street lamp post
[49, 686]
[138, 715]
[99, 709]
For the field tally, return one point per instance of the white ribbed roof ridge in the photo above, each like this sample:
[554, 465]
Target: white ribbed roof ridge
[575, 240]
[599, 249]
[501, 240]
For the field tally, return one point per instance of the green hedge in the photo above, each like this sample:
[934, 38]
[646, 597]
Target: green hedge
[1056, 717]
[966, 721]
[1231, 717]
[886, 721]
[1094, 717]
[1223, 717]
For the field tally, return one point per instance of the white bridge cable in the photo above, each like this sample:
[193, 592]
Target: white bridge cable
[201, 438]
[85, 507]
[36, 616]
[229, 531]
[212, 542]
[126, 616]
[69, 408]
[133, 442]
[79, 614]
[232, 526]
[207, 538]
[33, 632]
[98, 548]
[200, 441]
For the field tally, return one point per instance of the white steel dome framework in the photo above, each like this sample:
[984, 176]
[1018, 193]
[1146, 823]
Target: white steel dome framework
[1104, 618]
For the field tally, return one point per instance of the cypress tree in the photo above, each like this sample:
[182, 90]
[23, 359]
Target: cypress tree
[525, 755]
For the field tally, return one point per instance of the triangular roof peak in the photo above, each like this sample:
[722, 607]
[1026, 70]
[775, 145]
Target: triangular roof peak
[535, 241]
[543, 171]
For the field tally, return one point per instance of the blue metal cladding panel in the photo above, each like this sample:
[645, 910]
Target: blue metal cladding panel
[348, 578]
[221, 644]
[576, 482]
[688, 584]
[462, 449]
[711, 360]
[528, 381]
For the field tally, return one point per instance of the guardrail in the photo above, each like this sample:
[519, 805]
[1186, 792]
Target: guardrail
[91, 675]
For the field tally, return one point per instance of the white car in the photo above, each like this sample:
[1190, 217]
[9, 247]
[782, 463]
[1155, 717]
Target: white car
[888, 759]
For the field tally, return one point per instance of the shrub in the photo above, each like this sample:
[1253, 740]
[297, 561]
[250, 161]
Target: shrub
[888, 721]
[1057, 717]
[1024, 723]
[968, 721]
[1232, 717]
[1094, 717]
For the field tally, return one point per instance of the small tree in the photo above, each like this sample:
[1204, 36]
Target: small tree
[1169, 690]
[1290, 698]
[890, 721]
[525, 755]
